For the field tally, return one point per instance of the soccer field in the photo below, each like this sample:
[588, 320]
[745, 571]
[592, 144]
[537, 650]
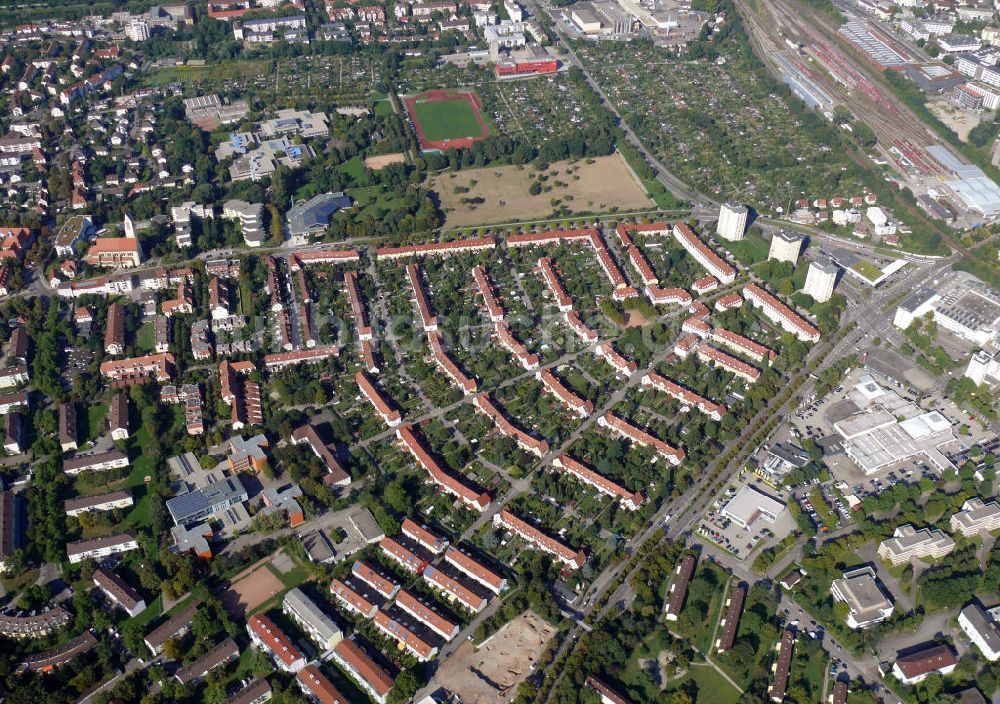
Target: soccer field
[448, 119]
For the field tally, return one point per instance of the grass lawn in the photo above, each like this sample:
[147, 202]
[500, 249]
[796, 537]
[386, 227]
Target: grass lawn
[95, 424]
[632, 676]
[354, 168]
[383, 107]
[750, 250]
[867, 270]
[712, 686]
[152, 610]
[226, 70]
[145, 339]
[448, 119]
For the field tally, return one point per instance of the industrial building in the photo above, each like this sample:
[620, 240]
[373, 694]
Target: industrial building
[960, 303]
[750, 505]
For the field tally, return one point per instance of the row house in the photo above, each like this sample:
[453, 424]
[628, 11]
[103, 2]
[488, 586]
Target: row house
[428, 319]
[156, 366]
[114, 330]
[563, 301]
[717, 357]
[97, 462]
[423, 537]
[426, 615]
[474, 569]
[408, 640]
[370, 676]
[574, 559]
[382, 585]
[109, 501]
[528, 360]
[280, 360]
[702, 254]
[622, 428]
[34, 625]
[743, 345]
[780, 314]
[493, 308]
[390, 416]
[630, 500]
[97, 548]
[580, 407]
[448, 366]
[679, 587]
[577, 325]
[623, 367]
[183, 304]
[317, 687]
[336, 475]
[667, 296]
[530, 444]
[465, 493]
[402, 555]
[353, 598]
[728, 302]
[686, 397]
[273, 641]
[453, 590]
[357, 308]
[436, 248]
[705, 284]
[299, 260]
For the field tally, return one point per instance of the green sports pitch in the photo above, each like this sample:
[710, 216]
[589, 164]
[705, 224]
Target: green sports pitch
[448, 119]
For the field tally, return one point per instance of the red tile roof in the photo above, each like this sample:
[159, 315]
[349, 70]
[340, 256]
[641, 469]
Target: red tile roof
[495, 310]
[420, 648]
[685, 396]
[679, 586]
[436, 248]
[401, 554]
[529, 443]
[366, 668]
[377, 581]
[565, 554]
[622, 427]
[455, 589]
[727, 361]
[708, 258]
[448, 365]
[439, 476]
[631, 501]
[426, 316]
[479, 572]
[786, 317]
[563, 300]
[554, 385]
[274, 640]
[368, 389]
[527, 359]
[420, 534]
[357, 308]
[426, 615]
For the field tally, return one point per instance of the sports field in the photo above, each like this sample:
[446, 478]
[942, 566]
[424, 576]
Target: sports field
[446, 118]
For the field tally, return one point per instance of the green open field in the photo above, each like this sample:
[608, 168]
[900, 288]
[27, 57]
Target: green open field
[221, 71]
[447, 119]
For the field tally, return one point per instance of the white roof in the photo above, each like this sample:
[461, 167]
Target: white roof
[925, 425]
[749, 501]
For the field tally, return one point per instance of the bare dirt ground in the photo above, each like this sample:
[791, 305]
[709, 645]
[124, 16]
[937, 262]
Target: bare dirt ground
[382, 160]
[500, 194]
[491, 673]
[251, 591]
[958, 119]
[634, 319]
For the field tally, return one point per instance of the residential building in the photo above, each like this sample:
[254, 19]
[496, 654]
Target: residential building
[119, 592]
[312, 619]
[11, 520]
[702, 254]
[390, 416]
[436, 248]
[731, 620]
[866, 601]
[404, 636]
[336, 475]
[68, 435]
[118, 416]
[370, 676]
[97, 462]
[114, 330]
[539, 540]
[426, 615]
[780, 314]
[174, 627]
[250, 217]
[629, 500]
[257, 692]
[221, 655]
[422, 536]
[981, 629]
[606, 693]
[99, 502]
[917, 666]
[454, 590]
[679, 586]
[782, 666]
[269, 638]
[907, 542]
[352, 596]
[976, 517]
[317, 688]
[35, 624]
[785, 247]
[820, 280]
[450, 484]
[101, 547]
[732, 221]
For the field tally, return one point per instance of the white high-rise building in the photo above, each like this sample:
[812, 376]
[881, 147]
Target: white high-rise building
[820, 280]
[785, 247]
[732, 221]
